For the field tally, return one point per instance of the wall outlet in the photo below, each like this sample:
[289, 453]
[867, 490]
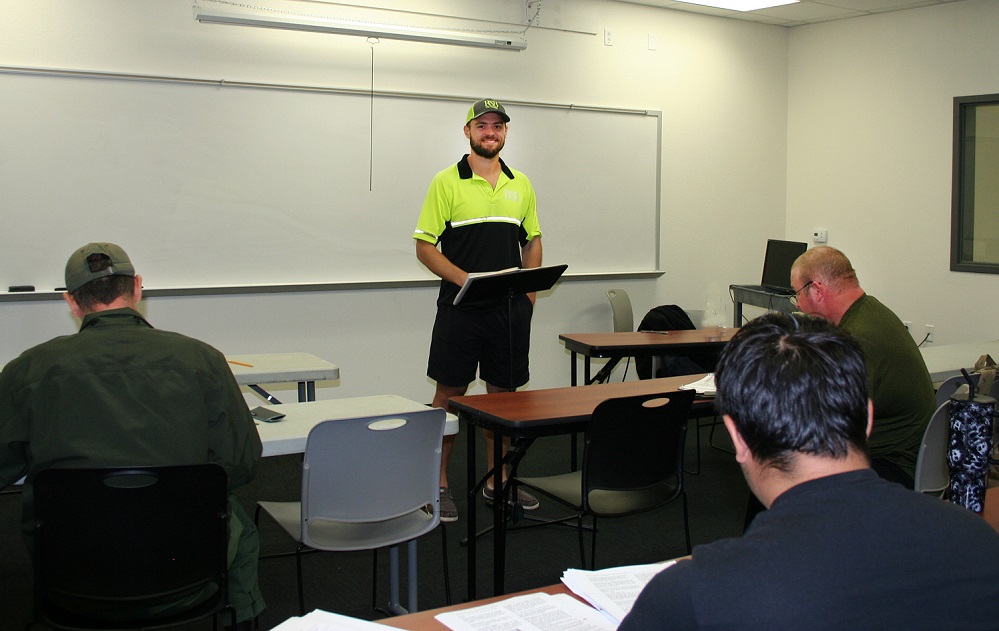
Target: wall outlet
[908, 325]
[608, 37]
[929, 332]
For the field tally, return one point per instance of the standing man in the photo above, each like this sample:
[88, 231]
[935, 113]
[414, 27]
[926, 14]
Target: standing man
[120, 393]
[483, 215]
[899, 383]
[839, 548]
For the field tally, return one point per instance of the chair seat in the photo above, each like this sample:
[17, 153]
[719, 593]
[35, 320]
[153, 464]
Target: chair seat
[337, 536]
[568, 488]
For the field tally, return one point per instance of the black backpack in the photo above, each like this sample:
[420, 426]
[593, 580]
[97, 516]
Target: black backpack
[672, 318]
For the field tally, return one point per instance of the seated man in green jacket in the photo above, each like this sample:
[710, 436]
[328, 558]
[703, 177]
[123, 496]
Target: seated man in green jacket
[899, 383]
[109, 396]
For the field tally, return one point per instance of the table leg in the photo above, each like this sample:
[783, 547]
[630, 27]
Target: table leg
[266, 395]
[572, 368]
[470, 480]
[499, 518]
[311, 390]
[737, 314]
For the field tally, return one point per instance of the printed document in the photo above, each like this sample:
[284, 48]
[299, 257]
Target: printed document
[531, 612]
[704, 386]
[614, 590]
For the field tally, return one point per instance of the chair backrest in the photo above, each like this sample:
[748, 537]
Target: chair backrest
[111, 542]
[932, 473]
[636, 443]
[950, 386]
[624, 318]
[373, 468]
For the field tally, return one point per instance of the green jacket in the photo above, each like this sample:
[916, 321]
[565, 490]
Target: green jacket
[898, 382]
[121, 393]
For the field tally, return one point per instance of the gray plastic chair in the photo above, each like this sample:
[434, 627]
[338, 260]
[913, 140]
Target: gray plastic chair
[367, 483]
[932, 473]
[624, 318]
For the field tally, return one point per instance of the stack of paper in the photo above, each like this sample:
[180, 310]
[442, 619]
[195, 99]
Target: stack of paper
[613, 591]
[319, 620]
[531, 612]
[704, 386]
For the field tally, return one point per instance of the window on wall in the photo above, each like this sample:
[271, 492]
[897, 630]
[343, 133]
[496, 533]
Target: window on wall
[975, 206]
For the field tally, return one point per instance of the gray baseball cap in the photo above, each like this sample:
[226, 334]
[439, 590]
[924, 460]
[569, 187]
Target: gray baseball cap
[78, 271]
[485, 106]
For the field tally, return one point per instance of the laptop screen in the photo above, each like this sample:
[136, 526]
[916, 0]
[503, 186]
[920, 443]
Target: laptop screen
[777, 264]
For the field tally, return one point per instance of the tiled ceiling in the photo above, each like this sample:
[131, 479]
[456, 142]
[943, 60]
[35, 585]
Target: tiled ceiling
[803, 12]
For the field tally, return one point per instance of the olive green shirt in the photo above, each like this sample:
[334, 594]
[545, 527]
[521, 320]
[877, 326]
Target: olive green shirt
[121, 393]
[898, 382]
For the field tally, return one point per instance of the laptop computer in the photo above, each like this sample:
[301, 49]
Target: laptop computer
[777, 265]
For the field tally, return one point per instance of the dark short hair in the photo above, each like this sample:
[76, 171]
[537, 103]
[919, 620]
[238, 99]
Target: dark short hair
[794, 384]
[105, 290]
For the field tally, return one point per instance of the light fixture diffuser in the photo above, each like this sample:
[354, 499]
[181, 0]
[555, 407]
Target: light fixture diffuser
[741, 5]
[360, 29]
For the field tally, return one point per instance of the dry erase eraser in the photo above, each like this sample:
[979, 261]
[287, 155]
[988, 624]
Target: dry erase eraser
[13, 288]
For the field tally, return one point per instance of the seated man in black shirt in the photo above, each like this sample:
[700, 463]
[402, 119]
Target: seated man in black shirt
[839, 547]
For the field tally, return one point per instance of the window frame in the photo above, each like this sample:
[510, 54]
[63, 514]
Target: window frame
[962, 187]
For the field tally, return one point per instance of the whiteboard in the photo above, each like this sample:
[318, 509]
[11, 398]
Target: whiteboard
[214, 185]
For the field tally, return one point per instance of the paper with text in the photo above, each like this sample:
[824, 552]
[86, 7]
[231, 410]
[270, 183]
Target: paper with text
[531, 612]
[615, 589]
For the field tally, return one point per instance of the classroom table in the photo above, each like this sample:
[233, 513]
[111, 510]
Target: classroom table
[288, 436]
[303, 368]
[524, 416]
[638, 344]
[991, 512]
[758, 296]
[946, 360]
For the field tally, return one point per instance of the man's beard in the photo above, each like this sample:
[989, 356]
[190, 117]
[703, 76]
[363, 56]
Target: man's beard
[488, 154]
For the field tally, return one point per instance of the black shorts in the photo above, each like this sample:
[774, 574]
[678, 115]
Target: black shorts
[463, 340]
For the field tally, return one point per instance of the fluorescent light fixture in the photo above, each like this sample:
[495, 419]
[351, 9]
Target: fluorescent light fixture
[361, 29]
[741, 5]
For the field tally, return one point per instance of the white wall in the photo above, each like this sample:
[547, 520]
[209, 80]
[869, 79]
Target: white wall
[721, 84]
[870, 121]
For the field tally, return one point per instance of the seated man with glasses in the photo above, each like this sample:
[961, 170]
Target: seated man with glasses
[900, 386]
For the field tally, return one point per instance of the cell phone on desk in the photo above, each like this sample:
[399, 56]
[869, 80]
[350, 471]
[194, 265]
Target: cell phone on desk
[266, 415]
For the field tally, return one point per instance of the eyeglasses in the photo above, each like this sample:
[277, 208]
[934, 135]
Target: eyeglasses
[794, 299]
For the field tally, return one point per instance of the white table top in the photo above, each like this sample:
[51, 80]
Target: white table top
[288, 435]
[946, 360]
[281, 368]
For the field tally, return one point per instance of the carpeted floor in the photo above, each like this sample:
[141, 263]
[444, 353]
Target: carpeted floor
[341, 582]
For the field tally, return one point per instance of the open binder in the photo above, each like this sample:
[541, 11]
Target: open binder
[508, 283]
